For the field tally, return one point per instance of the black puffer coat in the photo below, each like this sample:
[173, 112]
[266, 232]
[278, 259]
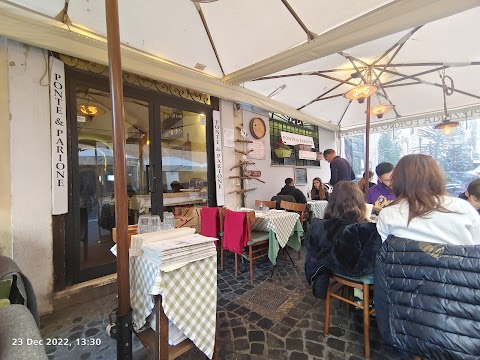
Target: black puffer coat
[427, 298]
[338, 246]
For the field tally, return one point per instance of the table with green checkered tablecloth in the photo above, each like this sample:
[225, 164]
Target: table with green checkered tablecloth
[189, 297]
[283, 228]
[317, 208]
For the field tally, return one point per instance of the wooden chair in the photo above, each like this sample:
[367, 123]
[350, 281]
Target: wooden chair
[300, 209]
[257, 241]
[269, 203]
[338, 283]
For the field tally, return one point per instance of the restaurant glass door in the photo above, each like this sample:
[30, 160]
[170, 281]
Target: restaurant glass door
[184, 159]
[93, 200]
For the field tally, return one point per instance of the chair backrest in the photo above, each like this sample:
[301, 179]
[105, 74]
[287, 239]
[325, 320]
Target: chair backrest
[421, 290]
[249, 219]
[269, 203]
[293, 206]
[279, 198]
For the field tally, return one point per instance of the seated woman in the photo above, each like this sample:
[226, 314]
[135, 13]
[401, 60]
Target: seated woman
[363, 181]
[344, 242]
[318, 191]
[422, 211]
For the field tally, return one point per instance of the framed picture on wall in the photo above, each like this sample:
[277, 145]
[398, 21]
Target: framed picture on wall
[300, 176]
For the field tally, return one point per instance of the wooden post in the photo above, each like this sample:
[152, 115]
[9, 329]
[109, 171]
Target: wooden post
[367, 148]
[124, 323]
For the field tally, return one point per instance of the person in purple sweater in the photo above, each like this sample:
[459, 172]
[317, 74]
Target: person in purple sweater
[381, 194]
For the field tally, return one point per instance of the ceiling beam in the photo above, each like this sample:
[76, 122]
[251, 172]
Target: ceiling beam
[389, 19]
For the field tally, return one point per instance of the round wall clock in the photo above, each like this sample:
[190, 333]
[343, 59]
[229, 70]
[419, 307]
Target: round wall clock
[258, 129]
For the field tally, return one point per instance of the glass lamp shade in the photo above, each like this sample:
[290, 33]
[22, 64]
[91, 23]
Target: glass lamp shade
[361, 92]
[447, 127]
[381, 109]
[90, 110]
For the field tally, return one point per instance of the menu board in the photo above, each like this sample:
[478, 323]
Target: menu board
[300, 176]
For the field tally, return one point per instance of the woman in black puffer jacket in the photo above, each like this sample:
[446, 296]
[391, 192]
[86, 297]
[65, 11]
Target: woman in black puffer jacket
[344, 242]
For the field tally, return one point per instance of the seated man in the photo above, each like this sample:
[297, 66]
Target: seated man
[472, 195]
[290, 189]
[381, 194]
[176, 187]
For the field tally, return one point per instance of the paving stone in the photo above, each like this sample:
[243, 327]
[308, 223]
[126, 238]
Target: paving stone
[288, 321]
[355, 349]
[335, 355]
[298, 356]
[265, 323]
[241, 344]
[296, 334]
[91, 332]
[239, 332]
[280, 330]
[274, 342]
[256, 336]
[253, 316]
[336, 331]
[294, 344]
[314, 335]
[297, 313]
[314, 348]
[241, 311]
[257, 349]
[77, 328]
[277, 354]
[336, 344]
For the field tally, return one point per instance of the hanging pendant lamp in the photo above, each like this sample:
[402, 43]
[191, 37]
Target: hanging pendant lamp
[446, 125]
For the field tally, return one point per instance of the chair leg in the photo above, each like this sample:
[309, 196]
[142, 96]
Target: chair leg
[236, 264]
[327, 312]
[366, 319]
[346, 294]
[221, 256]
[250, 255]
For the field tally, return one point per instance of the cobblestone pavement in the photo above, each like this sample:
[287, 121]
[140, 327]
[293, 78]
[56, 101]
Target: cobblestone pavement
[275, 318]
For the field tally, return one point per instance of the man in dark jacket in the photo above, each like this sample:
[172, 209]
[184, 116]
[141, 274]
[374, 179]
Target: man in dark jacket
[290, 189]
[340, 168]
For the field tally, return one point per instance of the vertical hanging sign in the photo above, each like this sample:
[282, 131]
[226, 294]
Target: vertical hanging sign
[58, 137]
[217, 142]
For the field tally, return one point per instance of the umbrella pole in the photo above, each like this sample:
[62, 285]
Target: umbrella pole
[124, 316]
[367, 148]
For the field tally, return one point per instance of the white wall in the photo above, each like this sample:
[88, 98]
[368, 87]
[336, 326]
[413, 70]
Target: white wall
[274, 176]
[5, 190]
[30, 169]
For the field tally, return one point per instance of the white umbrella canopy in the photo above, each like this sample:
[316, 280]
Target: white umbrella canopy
[240, 42]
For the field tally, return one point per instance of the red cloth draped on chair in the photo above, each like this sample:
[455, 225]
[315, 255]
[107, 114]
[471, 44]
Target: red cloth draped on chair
[235, 230]
[209, 224]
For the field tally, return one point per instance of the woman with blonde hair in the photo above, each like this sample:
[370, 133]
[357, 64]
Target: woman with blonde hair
[344, 242]
[422, 211]
[318, 191]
